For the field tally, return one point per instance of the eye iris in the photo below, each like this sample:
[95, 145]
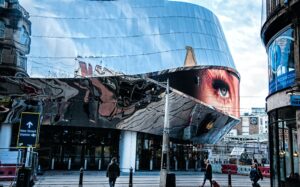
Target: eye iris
[223, 92]
[221, 87]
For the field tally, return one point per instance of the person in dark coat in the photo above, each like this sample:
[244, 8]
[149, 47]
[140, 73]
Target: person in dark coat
[208, 173]
[254, 176]
[113, 172]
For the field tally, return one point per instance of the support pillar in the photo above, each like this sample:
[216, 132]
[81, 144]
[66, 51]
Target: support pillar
[127, 147]
[5, 136]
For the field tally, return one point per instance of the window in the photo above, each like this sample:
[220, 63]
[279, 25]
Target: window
[2, 28]
[0, 56]
[24, 39]
[21, 62]
[2, 3]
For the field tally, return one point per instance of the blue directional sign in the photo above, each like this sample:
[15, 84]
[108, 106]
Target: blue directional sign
[29, 129]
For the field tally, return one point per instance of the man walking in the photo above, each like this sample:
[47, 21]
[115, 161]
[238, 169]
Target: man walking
[254, 176]
[113, 172]
[208, 173]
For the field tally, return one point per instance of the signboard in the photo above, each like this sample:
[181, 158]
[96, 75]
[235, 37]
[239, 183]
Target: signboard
[295, 100]
[29, 129]
[281, 61]
[253, 120]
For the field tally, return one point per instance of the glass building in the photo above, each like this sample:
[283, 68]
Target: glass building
[97, 77]
[280, 34]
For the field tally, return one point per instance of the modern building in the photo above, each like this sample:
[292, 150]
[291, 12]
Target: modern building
[116, 104]
[280, 35]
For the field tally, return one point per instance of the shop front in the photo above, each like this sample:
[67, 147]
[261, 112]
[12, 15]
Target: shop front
[70, 148]
[283, 143]
[183, 154]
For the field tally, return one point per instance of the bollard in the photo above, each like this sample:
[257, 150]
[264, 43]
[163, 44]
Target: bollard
[229, 178]
[176, 165]
[52, 163]
[85, 164]
[99, 164]
[81, 176]
[187, 164]
[151, 164]
[137, 165]
[130, 177]
[69, 163]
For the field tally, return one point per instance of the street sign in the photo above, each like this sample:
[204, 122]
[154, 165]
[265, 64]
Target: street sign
[29, 129]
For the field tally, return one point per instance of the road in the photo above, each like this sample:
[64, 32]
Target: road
[140, 179]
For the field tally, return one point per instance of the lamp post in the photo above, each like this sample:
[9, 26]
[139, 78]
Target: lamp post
[165, 161]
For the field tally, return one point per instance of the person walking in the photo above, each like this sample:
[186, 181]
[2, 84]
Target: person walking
[113, 172]
[254, 175]
[208, 173]
[257, 168]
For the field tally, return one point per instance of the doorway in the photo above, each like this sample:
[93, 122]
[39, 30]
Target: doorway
[73, 147]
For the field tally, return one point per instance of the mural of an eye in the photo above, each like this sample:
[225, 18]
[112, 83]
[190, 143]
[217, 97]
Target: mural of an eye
[221, 88]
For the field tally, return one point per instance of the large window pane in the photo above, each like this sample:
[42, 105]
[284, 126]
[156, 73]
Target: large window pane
[2, 28]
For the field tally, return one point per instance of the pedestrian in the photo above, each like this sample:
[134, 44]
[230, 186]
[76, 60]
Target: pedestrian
[113, 172]
[258, 170]
[208, 173]
[254, 176]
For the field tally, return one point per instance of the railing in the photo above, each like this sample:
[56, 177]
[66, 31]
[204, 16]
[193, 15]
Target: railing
[11, 160]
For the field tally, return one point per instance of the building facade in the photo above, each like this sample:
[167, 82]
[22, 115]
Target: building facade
[14, 39]
[115, 105]
[255, 122]
[280, 35]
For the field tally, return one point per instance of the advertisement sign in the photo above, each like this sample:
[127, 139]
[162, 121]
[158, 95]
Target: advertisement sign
[281, 61]
[29, 129]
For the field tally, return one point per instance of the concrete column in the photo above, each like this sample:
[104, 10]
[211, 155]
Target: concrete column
[5, 136]
[127, 148]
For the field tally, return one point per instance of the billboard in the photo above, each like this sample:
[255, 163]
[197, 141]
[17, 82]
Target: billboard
[215, 86]
[281, 61]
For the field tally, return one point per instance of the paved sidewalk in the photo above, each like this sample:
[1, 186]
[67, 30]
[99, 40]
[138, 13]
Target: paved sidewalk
[140, 179]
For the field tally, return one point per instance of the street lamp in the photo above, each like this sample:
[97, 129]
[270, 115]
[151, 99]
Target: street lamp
[165, 159]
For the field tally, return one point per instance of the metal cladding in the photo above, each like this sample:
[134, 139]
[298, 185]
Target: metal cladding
[131, 36]
[119, 102]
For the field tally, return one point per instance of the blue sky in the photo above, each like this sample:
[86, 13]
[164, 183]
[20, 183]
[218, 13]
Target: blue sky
[241, 23]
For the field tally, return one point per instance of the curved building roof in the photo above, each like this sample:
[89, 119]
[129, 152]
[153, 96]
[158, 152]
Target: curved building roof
[128, 36]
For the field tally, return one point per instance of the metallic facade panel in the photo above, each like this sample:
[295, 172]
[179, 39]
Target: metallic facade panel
[127, 36]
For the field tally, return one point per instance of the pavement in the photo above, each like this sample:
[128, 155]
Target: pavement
[140, 179]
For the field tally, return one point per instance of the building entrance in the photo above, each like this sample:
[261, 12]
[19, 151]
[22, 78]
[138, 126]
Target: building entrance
[70, 148]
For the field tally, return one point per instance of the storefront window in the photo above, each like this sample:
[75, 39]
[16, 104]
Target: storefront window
[283, 144]
[295, 151]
